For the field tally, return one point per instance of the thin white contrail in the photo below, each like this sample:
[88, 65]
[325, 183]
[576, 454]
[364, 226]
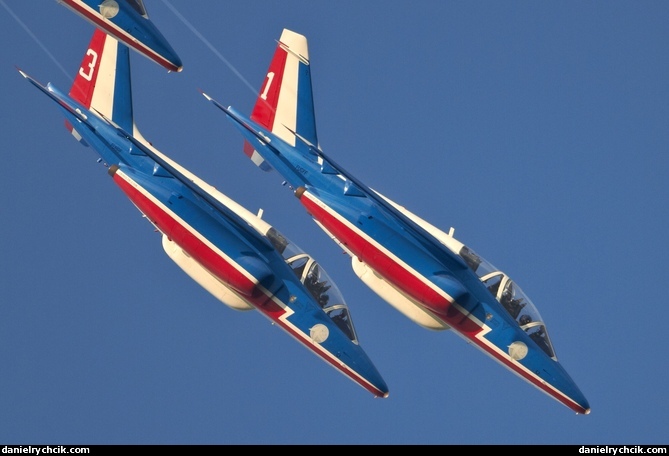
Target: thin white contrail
[25, 27]
[209, 45]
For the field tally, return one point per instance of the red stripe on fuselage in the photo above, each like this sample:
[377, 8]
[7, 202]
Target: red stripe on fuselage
[452, 314]
[396, 273]
[211, 260]
[226, 272]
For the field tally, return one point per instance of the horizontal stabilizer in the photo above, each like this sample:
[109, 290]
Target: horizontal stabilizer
[249, 150]
[256, 158]
[241, 122]
[50, 93]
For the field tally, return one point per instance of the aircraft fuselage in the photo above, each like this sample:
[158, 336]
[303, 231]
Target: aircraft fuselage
[423, 271]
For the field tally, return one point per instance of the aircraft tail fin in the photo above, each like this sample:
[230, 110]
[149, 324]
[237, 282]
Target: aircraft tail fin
[285, 104]
[102, 82]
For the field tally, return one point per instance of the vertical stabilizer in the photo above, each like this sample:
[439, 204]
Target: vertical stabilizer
[102, 82]
[285, 104]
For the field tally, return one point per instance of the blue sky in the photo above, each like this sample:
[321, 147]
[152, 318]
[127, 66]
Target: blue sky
[538, 130]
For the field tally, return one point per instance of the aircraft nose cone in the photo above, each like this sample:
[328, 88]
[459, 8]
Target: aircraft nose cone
[584, 407]
[155, 40]
[361, 370]
[569, 394]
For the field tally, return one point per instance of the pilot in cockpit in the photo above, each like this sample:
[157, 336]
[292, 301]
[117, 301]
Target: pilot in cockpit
[317, 288]
[525, 319]
[537, 333]
[512, 305]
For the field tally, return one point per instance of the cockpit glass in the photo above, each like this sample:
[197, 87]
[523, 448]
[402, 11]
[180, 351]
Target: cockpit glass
[476, 263]
[138, 5]
[298, 265]
[512, 298]
[538, 334]
[341, 317]
[317, 282]
[492, 282]
[519, 306]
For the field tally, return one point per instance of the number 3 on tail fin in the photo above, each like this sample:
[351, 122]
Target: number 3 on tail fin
[103, 80]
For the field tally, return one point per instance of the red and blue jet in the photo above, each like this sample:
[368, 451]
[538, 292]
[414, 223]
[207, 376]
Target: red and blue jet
[128, 22]
[422, 271]
[234, 254]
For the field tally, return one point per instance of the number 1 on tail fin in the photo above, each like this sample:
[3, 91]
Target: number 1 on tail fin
[285, 104]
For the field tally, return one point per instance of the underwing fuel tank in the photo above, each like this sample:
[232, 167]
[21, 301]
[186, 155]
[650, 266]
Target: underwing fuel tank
[203, 277]
[399, 300]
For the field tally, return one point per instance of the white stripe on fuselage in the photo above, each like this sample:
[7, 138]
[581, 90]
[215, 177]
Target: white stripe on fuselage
[481, 341]
[203, 240]
[296, 332]
[390, 255]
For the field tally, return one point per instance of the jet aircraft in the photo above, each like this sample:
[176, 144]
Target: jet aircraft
[422, 271]
[128, 22]
[234, 254]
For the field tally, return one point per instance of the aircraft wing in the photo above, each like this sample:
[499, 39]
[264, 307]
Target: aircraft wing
[285, 159]
[229, 214]
[418, 233]
[165, 167]
[46, 89]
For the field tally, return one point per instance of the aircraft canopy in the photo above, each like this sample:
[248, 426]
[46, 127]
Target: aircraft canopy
[512, 298]
[317, 281]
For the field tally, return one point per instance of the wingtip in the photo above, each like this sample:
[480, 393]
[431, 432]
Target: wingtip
[32, 80]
